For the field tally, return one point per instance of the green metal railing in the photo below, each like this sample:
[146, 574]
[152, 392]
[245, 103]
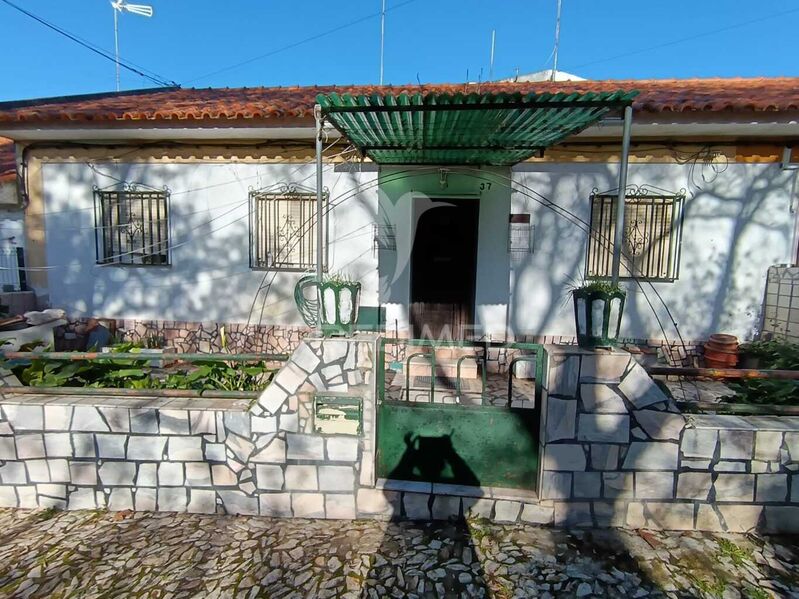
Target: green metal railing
[538, 357]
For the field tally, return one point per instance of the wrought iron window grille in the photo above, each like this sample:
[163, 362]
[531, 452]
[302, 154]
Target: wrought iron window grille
[520, 235]
[131, 223]
[651, 239]
[384, 237]
[283, 227]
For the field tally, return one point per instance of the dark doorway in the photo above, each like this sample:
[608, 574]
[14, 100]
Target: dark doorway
[443, 268]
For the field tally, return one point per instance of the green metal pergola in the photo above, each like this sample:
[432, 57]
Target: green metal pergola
[468, 129]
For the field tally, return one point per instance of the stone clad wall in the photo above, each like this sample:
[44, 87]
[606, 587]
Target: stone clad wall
[617, 452]
[206, 456]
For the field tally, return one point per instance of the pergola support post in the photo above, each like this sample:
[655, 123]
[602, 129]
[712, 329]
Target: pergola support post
[618, 236]
[319, 207]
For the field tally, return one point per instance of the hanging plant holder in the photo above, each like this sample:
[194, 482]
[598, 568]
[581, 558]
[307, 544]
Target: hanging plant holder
[597, 316]
[334, 308]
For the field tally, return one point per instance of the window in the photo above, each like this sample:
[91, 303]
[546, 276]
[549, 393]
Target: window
[132, 226]
[283, 228]
[651, 238]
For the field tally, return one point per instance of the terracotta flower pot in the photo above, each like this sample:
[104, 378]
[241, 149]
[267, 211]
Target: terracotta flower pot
[721, 351]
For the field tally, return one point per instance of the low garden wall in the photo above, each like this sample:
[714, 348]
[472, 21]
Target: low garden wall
[614, 451]
[618, 452]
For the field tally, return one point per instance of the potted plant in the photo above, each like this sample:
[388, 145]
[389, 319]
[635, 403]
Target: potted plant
[598, 307]
[340, 300]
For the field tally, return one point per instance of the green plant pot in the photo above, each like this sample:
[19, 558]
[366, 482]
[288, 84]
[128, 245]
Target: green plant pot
[597, 317]
[340, 304]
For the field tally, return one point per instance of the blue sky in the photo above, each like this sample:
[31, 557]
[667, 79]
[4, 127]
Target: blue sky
[430, 40]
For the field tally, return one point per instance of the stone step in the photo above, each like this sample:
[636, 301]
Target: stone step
[446, 367]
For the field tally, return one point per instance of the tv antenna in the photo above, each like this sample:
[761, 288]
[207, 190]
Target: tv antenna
[119, 7]
[554, 73]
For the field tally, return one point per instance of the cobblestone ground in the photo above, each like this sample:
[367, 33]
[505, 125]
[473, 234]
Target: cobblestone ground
[100, 554]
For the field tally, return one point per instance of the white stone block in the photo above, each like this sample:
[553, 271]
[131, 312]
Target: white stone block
[771, 488]
[561, 418]
[57, 418]
[736, 445]
[118, 419]
[301, 478]
[651, 456]
[537, 514]
[340, 506]
[618, 484]
[599, 367]
[272, 398]
[170, 474]
[28, 498]
[598, 397]
[145, 499]
[236, 502]
[147, 475]
[58, 445]
[308, 505]
[144, 421]
[446, 507]
[587, 485]
[604, 428]
[24, 418]
[654, 485]
[264, 424]
[305, 358]
[507, 511]
[57, 491]
[669, 516]
[198, 474]
[201, 502]
[743, 518]
[174, 422]
[185, 449]
[59, 470]
[38, 471]
[336, 478]
[241, 447]
[215, 452]
[269, 477]
[202, 422]
[305, 447]
[556, 485]
[223, 476]
[275, 452]
[639, 388]
[8, 497]
[117, 473]
[662, 426]
[604, 457]
[276, 505]
[564, 457]
[111, 446]
[82, 499]
[289, 421]
[83, 473]
[120, 499]
[13, 473]
[291, 377]
[478, 508]
[377, 503]
[333, 350]
[735, 487]
[238, 422]
[342, 449]
[30, 445]
[83, 444]
[172, 499]
[150, 447]
[8, 449]
[699, 443]
[87, 419]
[767, 445]
[694, 485]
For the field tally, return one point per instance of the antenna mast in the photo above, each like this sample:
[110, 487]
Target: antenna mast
[382, 37]
[137, 9]
[491, 63]
[557, 43]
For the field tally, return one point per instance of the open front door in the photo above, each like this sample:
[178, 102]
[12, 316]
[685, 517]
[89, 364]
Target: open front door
[443, 268]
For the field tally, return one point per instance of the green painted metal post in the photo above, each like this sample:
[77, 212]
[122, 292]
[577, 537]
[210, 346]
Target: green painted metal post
[618, 236]
[319, 204]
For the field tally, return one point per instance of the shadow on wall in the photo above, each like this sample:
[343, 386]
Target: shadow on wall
[209, 278]
[735, 226]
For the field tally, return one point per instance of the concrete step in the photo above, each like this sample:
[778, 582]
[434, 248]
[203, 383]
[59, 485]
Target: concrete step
[446, 367]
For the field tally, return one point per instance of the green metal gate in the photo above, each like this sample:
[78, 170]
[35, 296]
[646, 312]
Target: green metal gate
[476, 445]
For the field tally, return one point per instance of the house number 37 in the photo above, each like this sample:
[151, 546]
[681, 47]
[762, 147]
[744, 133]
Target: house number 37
[485, 186]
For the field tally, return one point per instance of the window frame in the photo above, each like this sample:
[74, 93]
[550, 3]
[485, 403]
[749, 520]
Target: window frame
[640, 195]
[159, 197]
[287, 192]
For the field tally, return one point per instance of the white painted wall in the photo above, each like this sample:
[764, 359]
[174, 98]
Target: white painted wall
[737, 224]
[210, 277]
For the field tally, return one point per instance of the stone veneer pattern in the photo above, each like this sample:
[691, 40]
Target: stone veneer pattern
[617, 452]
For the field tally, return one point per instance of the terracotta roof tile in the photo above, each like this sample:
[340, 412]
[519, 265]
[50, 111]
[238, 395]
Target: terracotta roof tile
[664, 95]
[8, 160]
